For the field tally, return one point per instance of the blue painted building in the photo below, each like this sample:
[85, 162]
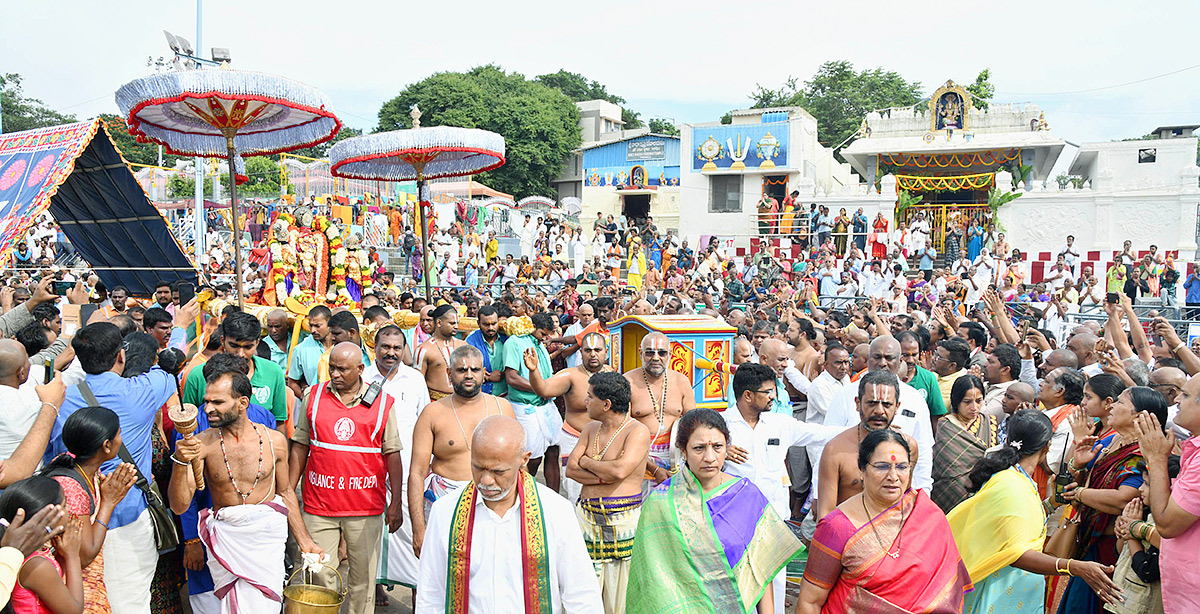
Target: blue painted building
[635, 176]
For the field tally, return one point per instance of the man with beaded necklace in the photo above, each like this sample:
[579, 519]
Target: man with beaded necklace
[433, 356]
[658, 397]
[245, 531]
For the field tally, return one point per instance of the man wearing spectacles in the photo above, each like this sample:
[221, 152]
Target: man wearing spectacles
[1169, 381]
[659, 397]
[911, 418]
[759, 441]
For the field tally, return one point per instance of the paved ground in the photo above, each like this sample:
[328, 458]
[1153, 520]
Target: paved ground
[401, 602]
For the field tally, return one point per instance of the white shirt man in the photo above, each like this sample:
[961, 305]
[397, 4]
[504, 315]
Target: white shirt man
[847, 289]
[766, 446]
[875, 283]
[497, 580]
[962, 265]
[821, 394]
[407, 388]
[912, 418]
[828, 283]
[21, 409]
[920, 234]
[510, 271]
[1069, 253]
[1057, 276]
[985, 268]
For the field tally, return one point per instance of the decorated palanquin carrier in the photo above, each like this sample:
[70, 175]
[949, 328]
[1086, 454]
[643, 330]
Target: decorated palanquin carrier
[700, 349]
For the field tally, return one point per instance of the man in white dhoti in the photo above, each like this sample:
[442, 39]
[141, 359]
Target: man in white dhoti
[245, 469]
[477, 535]
[397, 562]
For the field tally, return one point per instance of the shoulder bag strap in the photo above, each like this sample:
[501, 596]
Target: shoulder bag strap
[151, 492]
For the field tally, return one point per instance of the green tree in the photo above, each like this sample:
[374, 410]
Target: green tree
[262, 178]
[982, 89]
[322, 150]
[578, 88]
[662, 126]
[630, 119]
[840, 97]
[540, 124]
[130, 148]
[262, 181]
[19, 112]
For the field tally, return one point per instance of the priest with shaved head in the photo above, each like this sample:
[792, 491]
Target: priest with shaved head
[504, 543]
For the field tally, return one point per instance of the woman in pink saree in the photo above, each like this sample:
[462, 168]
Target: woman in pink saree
[888, 549]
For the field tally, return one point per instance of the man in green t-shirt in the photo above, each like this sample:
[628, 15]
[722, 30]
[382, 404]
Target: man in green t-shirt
[539, 416]
[240, 336]
[922, 379]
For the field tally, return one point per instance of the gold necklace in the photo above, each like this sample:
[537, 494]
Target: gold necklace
[600, 453]
[899, 534]
[659, 410]
[87, 480]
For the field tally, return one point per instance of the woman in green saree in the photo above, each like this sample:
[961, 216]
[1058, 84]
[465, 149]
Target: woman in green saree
[962, 438]
[706, 541]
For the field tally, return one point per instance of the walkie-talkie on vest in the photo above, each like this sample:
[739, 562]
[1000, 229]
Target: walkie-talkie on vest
[372, 393]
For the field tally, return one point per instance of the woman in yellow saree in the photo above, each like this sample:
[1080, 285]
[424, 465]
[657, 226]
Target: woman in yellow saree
[1001, 529]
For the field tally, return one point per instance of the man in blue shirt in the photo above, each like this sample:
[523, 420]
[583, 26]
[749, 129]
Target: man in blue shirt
[129, 545]
[1192, 298]
[278, 338]
[928, 257]
[303, 371]
[824, 225]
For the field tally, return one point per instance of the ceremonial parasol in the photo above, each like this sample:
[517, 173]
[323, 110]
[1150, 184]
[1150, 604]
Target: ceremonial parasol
[226, 114]
[420, 154]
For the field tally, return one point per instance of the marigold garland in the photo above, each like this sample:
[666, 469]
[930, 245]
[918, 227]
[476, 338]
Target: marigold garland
[917, 183]
[961, 160]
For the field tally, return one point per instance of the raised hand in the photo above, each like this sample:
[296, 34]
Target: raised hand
[1155, 445]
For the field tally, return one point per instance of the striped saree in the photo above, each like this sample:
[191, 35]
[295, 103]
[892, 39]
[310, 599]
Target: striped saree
[954, 454]
[712, 552]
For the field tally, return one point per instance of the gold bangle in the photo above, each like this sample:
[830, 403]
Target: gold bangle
[1178, 347]
[1068, 570]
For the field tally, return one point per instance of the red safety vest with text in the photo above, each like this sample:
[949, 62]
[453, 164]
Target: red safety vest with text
[346, 472]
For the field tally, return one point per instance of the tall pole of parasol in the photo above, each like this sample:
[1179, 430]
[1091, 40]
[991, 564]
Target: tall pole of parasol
[229, 133]
[424, 210]
[422, 207]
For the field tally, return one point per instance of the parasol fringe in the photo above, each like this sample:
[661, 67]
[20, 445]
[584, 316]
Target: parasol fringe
[447, 151]
[307, 116]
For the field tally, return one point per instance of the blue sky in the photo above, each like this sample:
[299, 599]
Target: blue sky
[687, 61]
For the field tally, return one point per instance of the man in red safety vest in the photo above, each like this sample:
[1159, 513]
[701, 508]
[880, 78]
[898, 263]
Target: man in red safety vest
[347, 449]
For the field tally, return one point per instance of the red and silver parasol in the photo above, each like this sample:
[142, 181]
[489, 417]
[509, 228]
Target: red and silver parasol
[227, 114]
[420, 154]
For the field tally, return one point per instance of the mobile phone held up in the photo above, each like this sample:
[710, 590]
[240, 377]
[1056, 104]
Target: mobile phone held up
[187, 291]
[60, 288]
[1111, 298]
